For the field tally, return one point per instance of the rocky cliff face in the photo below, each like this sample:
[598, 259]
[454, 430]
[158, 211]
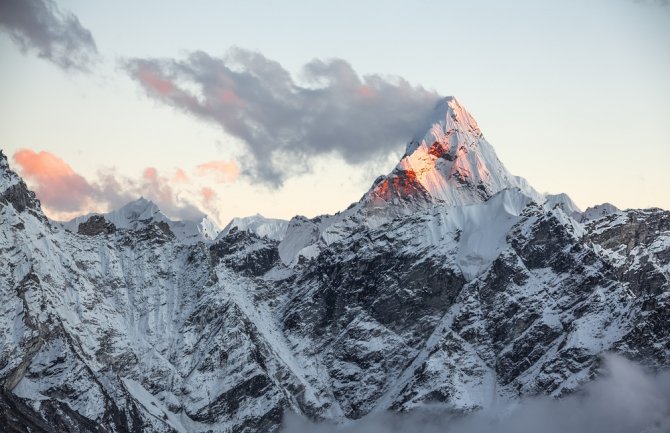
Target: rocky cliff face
[457, 296]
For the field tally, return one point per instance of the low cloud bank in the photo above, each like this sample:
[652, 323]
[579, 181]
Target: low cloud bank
[624, 400]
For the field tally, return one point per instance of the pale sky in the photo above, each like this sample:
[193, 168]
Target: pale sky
[573, 95]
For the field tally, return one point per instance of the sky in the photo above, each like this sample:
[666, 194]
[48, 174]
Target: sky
[236, 108]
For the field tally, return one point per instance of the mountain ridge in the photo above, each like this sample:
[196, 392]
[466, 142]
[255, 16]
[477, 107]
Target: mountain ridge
[403, 303]
[138, 213]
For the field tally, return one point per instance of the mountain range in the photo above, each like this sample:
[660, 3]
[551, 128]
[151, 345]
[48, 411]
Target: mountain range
[451, 282]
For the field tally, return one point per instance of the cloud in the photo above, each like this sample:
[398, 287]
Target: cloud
[38, 25]
[221, 171]
[180, 176]
[624, 400]
[209, 201]
[58, 186]
[285, 122]
[207, 194]
[65, 193]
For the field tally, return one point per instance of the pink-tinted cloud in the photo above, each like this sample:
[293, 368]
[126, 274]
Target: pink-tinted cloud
[151, 81]
[150, 174]
[366, 91]
[209, 201]
[208, 194]
[180, 176]
[161, 85]
[65, 193]
[220, 171]
[159, 189]
[56, 184]
[229, 97]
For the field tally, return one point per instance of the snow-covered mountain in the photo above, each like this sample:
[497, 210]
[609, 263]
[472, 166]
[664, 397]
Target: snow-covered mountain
[450, 283]
[450, 163]
[599, 211]
[270, 228]
[140, 213]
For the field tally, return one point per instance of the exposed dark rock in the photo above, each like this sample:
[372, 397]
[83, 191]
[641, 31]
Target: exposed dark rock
[246, 252]
[96, 225]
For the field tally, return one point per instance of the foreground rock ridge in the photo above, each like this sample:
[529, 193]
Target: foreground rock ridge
[450, 283]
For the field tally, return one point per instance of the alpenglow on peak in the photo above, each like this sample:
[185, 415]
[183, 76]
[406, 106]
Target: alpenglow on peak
[449, 161]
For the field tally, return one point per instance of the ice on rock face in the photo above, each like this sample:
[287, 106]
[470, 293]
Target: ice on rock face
[301, 234]
[194, 231]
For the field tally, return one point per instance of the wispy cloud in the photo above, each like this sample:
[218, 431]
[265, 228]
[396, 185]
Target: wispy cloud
[208, 194]
[57, 36]
[220, 171]
[64, 193]
[285, 121]
[180, 176]
[625, 400]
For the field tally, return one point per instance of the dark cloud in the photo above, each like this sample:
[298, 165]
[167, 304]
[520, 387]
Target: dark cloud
[625, 400]
[285, 122]
[55, 35]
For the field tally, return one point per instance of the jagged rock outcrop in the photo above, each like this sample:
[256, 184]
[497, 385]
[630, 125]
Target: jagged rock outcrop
[96, 225]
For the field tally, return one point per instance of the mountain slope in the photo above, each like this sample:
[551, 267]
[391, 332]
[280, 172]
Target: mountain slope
[452, 290]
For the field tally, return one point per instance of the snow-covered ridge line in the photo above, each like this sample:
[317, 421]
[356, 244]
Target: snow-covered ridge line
[271, 228]
[137, 214]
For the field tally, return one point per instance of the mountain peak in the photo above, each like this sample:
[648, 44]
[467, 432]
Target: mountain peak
[139, 209]
[132, 215]
[599, 211]
[270, 228]
[450, 162]
[7, 176]
[13, 190]
[448, 115]
[565, 203]
[140, 212]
